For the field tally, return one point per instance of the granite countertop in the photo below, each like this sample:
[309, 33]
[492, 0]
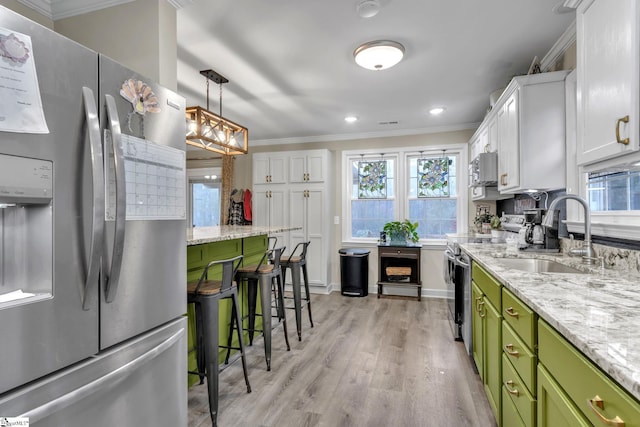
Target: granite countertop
[598, 312]
[200, 235]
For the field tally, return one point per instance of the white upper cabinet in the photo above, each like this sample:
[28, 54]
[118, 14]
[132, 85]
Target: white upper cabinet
[308, 166]
[608, 73]
[507, 126]
[530, 116]
[270, 168]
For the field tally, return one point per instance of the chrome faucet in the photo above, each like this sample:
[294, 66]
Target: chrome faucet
[586, 251]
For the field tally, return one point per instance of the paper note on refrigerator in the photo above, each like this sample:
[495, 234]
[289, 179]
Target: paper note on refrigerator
[155, 179]
[21, 107]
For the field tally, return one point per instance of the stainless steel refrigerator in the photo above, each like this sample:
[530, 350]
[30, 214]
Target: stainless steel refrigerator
[92, 237]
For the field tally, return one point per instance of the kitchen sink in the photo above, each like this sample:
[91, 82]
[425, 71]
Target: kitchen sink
[534, 265]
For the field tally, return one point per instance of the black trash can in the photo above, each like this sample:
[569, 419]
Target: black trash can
[354, 272]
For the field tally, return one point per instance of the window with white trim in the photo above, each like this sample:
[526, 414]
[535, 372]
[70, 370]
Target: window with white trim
[426, 186]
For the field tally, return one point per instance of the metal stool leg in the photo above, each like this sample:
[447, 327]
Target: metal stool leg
[252, 296]
[238, 320]
[297, 297]
[306, 288]
[280, 285]
[210, 329]
[200, 361]
[265, 300]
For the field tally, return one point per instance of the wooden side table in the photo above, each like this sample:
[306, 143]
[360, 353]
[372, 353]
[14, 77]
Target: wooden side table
[399, 265]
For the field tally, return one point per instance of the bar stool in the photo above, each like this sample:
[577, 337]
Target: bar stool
[263, 275]
[206, 295]
[297, 263]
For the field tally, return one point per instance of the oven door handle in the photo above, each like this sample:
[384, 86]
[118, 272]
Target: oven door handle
[464, 264]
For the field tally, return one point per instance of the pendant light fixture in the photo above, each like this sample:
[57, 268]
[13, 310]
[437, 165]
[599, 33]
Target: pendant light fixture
[211, 131]
[379, 54]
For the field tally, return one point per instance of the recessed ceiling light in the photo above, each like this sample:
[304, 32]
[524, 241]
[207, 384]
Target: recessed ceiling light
[437, 110]
[368, 8]
[379, 54]
[350, 119]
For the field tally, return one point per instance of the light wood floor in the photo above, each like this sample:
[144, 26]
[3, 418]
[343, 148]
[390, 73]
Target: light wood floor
[367, 362]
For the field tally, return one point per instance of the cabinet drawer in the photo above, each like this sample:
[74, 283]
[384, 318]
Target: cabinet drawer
[510, 415]
[520, 317]
[254, 245]
[521, 357]
[489, 286]
[555, 409]
[583, 381]
[399, 251]
[513, 387]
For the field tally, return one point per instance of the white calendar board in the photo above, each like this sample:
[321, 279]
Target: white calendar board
[155, 180]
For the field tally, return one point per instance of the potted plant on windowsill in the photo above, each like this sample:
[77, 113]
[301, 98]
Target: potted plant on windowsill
[400, 232]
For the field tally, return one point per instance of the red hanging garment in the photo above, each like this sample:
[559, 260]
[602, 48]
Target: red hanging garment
[247, 205]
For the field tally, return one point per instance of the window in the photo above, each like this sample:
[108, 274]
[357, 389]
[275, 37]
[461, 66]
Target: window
[204, 191]
[372, 194]
[433, 201]
[424, 187]
[616, 191]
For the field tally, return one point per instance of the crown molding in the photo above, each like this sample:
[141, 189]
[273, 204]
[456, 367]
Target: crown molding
[559, 48]
[60, 9]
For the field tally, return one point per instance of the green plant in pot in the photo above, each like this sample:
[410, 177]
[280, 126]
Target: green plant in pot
[401, 231]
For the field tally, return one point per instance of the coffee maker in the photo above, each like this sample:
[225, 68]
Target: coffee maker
[535, 235]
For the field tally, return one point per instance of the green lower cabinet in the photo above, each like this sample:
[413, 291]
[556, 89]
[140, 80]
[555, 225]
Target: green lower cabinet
[492, 360]
[510, 416]
[197, 258]
[598, 397]
[517, 395]
[555, 409]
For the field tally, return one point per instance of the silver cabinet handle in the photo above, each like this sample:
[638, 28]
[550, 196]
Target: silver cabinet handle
[105, 382]
[97, 171]
[113, 275]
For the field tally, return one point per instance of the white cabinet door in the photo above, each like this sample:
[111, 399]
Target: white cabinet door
[308, 166]
[260, 206]
[316, 230]
[278, 168]
[493, 135]
[270, 168]
[607, 40]
[307, 210]
[260, 169]
[508, 157]
[269, 206]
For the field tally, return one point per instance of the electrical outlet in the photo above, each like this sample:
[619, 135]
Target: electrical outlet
[336, 220]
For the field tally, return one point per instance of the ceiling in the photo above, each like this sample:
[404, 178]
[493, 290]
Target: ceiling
[292, 77]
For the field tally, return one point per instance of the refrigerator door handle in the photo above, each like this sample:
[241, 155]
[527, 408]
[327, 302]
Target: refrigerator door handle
[113, 273]
[103, 383]
[97, 170]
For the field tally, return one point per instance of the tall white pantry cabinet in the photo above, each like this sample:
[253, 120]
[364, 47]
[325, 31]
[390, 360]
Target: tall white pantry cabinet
[302, 199]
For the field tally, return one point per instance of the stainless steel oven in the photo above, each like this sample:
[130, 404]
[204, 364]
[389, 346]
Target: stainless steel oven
[454, 292]
[457, 276]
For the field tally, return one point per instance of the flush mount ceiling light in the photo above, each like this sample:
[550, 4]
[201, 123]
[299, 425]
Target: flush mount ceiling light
[211, 131]
[379, 54]
[436, 111]
[350, 119]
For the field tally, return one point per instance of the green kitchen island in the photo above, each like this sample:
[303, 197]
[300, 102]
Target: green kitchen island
[206, 244]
